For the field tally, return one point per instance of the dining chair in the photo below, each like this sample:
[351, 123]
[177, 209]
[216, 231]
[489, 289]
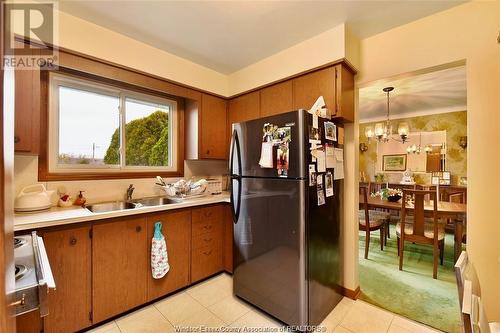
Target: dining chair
[419, 229]
[464, 290]
[474, 318]
[480, 323]
[375, 187]
[371, 220]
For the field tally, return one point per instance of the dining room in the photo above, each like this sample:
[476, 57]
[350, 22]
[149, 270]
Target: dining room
[413, 192]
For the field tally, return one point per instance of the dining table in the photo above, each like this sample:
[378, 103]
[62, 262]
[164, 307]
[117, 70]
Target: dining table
[454, 211]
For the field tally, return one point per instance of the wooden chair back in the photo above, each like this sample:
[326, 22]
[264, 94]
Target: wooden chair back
[363, 193]
[375, 187]
[418, 212]
[458, 197]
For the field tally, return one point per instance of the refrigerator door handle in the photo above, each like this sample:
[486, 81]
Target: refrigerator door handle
[235, 148]
[236, 212]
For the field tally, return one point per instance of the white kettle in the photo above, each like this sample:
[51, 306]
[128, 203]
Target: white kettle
[33, 198]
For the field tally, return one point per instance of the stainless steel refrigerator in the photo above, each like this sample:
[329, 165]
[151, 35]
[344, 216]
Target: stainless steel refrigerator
[287, 256]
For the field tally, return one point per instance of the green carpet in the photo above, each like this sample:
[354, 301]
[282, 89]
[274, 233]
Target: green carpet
[412, 293]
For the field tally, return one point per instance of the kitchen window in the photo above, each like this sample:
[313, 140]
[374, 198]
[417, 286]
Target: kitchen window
[95, 127]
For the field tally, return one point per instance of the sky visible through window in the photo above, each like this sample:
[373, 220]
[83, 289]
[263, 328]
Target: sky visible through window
[88, 120]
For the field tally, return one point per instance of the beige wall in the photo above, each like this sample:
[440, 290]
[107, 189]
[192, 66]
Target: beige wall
[88, 38]
[316, 51]
[26, 173]
[469, 32]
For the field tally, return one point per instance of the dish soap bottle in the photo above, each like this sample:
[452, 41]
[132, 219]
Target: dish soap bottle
[80, 200]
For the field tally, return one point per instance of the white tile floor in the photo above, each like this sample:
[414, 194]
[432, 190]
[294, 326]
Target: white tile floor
[211, 304]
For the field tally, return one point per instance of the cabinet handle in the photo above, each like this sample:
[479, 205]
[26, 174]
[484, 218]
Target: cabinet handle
[207, 239]
[72, 241]
[207, 227]
[22, 301]
[138, 228]
[207, 253]
[208, 152]
[17, 139]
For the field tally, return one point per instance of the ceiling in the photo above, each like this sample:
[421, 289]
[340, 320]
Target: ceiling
[430, 93]
[229, 35]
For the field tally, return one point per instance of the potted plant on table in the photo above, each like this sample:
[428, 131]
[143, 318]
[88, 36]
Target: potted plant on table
[391, 194]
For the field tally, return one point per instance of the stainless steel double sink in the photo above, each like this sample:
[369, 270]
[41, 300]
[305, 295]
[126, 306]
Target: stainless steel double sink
[133, 204]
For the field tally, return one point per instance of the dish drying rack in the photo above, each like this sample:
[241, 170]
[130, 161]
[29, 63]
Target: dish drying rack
[184, 189]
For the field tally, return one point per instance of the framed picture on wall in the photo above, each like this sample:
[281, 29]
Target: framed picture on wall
[394, 162]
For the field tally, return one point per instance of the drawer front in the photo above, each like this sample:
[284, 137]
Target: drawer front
[206, 227]
[209, 239]
[211, 213]
[205, 261]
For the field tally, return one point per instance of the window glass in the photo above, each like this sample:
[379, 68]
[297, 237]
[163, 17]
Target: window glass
[100, 127]
[146, 133]
[88, 124]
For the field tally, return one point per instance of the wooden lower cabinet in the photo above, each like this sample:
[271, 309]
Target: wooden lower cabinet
[102, 269]
[29, 322]
[176, 227]
[69, 252]
[207, 235]
[120, 266]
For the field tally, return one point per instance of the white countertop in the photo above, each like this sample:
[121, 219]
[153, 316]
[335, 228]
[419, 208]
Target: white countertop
[61, 216]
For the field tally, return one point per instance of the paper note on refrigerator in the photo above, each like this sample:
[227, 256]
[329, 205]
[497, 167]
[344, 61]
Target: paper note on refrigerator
[339, 154]
[266, 155]
[330, 157]
[339, 164]
[321, 160]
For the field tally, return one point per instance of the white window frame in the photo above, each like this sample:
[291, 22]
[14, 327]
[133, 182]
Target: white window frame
[57, 80]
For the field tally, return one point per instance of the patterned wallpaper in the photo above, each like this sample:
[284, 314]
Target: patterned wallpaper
[455, 125]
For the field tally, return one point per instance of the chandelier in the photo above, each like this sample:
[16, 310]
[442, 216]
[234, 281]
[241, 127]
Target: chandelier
[417, 149]
[383, 130]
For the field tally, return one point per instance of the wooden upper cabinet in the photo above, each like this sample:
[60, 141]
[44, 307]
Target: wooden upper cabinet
[69, 253]
[120, 266]
[176, 227]
[307, 88]
[213, 128]
[276, 99]
[245, 107]
[27, 111]
[345, 93]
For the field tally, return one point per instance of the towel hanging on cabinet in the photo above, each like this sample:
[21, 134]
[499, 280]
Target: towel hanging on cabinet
[159, 255]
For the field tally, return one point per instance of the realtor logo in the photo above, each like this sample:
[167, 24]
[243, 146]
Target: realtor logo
[30, 35]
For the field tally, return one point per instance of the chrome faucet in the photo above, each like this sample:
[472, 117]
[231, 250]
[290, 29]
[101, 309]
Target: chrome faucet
[130, 191]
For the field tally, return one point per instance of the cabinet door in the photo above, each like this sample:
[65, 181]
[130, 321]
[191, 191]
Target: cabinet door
[307, 88]
[27, 111]
[276, 99]
[206, 253]
[213, 128]
[30, 322]
[344, 93]
[69, 253]
[176, 227]
[227, 247]
[245, 107]
[120, 262]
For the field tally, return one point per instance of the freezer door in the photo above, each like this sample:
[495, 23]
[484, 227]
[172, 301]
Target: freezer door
[324, 253]
[249, 135]
[269, 248]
